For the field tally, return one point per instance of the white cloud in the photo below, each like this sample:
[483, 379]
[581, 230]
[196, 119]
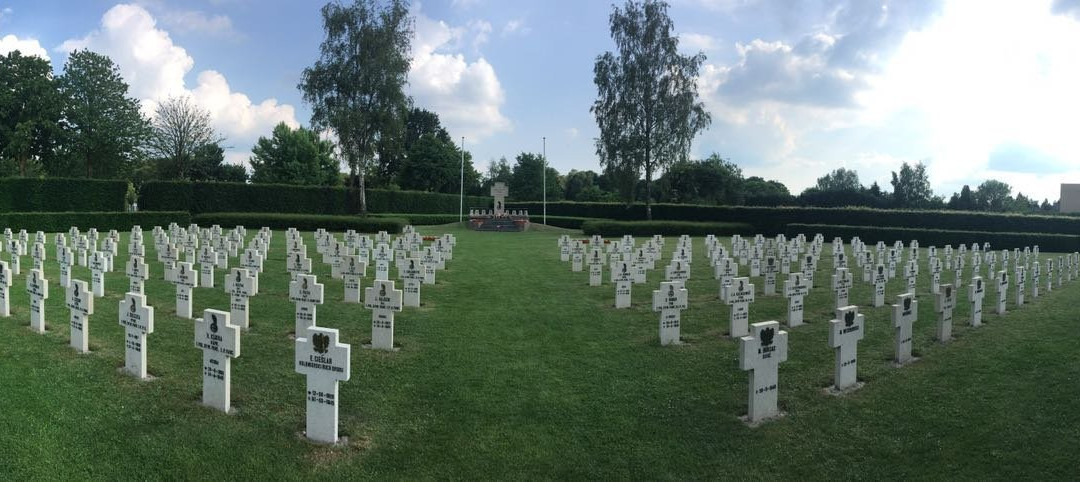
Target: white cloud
[155, 68]
[27, 46]
[464, 4]
[194, 21]
[481, 29]
[694, 42]
[572, 132]
[515, 26]
[466, 95]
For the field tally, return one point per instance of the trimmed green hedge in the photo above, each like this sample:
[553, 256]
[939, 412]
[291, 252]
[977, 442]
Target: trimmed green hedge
[1047, 242]
[773, 220]
[666, 228]
[60, 222]
[421, 219]
[303, 222]
[213, 197]
[54, 195]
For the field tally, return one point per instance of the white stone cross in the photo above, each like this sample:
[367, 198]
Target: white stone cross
[794, 290]
[678, 271]
[880, 278]
[770, 275]
[37, 254]
[305, 292]
[976, 292]
[944, 302]
[5, 290]
[185, 279]
[325, 363]
[1003, 290]
[81, 303]
[382, 256]
[622, 273]
[298, 265]
[98, 266]
[66, 260]
[739, 296]
[137, 272]
[1049, 275]
[207, 263]
[841, 284]
[219, 341]
[169, 256]
[596, 267]
[37, 287]
[138, 321]
[383, 300]
[904, 314]
[911, 274]
[1036, 272]
[669, 301]
[412, 275]
[241, 286]
[253, 262]
[1021, 276]
[844, 335]
[761, 353]
[726, 270]
[430, 261]
[352, 270]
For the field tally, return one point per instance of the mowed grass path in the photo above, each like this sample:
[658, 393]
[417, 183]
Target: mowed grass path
[516, 369]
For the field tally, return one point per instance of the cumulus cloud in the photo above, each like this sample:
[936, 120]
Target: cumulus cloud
[27, 46]
[194, 21]
[695, 42]
[868, 88]
[1066, 7]
[467, 95]
[155, 67]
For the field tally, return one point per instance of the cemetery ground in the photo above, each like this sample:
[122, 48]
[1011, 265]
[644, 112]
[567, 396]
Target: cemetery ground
[515, 368]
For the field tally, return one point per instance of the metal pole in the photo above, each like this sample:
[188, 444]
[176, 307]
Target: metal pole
[545, 178]
[461, 199]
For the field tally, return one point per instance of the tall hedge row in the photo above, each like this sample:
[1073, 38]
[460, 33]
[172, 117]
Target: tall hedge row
[665, 228]
[1058, 243]
[773, 220]
[26, 195]
[303, 222]
[206, 197]
[60, 222]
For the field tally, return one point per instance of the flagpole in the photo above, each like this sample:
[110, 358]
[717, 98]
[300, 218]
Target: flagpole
[545, 178]
[461, 199]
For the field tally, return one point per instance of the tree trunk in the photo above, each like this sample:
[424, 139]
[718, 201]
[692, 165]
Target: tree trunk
[363, 194]
[648, 184]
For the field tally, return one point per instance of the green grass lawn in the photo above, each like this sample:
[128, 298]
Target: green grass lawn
[515, 368]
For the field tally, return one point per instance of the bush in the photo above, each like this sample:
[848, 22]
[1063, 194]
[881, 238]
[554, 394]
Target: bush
[666, 228]
[1047, 242]
[773, 220]
[214, 197]
[120, 221]
[26, 195]
[303, 222]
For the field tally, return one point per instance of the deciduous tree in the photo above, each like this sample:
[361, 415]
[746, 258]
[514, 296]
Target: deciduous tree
[356, 87]
[647, 106]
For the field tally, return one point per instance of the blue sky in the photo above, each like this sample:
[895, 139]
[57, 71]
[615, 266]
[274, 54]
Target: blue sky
[975, 89]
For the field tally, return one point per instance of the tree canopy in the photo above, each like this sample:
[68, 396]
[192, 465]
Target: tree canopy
[647, 107]
[356, 87]
[294, 156]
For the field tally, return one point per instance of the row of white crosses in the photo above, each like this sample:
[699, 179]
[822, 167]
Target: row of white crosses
[219, 338]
